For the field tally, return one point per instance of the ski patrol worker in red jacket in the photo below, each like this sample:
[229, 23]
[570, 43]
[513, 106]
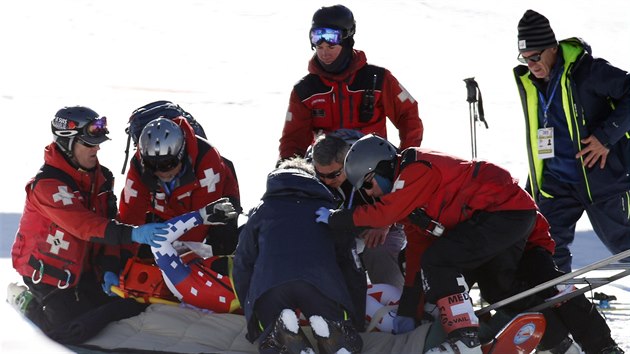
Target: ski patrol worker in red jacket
[466, 222]
[67, 237]
[175, 172]
[343, 91]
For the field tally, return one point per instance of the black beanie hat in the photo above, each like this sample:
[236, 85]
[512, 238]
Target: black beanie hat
[534, 32]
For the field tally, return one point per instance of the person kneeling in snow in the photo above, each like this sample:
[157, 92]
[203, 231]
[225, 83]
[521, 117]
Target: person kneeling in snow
[285, 260]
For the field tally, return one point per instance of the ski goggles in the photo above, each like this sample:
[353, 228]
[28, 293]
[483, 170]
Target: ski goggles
[94, 133]
[535, 58]
[368, 181]
[331, 175]
[328, 35]
[97, 128]
[160, 163]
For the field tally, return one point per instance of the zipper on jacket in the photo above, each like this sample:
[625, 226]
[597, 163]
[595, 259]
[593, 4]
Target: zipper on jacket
[340, 103]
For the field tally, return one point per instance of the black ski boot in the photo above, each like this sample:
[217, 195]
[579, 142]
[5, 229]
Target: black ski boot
[333, 336]
[286, 337]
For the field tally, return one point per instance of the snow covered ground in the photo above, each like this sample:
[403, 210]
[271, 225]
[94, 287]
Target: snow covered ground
[232, 65]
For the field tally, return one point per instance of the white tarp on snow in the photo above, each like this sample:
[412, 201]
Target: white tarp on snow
[172, 329]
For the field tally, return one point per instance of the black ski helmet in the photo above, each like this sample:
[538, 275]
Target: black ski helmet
[370, 154]
[78, 122]
[337, 17]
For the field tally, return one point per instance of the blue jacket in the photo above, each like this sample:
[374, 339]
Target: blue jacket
[596, 101]
[281, 242]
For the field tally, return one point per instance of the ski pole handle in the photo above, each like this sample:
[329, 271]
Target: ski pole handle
[471, 88]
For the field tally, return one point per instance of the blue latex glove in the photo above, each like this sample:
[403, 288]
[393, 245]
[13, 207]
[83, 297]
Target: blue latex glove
[323, 214]
[149, 234]
[403, 324]
[110, 279]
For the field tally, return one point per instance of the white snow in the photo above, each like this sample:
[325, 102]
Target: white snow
[232, 64]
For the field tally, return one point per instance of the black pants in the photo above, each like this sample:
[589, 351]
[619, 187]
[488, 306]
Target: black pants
[577, 315]
[485, 249]
[73, 315]
[609, 218]
[293, 295]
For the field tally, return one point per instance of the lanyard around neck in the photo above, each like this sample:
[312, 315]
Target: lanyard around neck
[546, 104]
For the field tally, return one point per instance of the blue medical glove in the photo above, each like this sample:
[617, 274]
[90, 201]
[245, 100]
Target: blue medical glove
[323, 214]
[149, 234]
[110, 279]
[403, 324]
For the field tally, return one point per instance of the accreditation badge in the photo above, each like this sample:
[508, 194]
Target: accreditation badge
[545, 143]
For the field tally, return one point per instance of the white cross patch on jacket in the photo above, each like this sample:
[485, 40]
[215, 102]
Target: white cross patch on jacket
[57, 242]
[129, 192]
[63, 195]
[211, 180]
[398, 184]
[405, 95]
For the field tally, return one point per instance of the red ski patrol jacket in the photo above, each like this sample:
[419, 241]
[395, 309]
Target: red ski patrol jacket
[67, 225]
[207, 178]
[450, 190]
[358, 98]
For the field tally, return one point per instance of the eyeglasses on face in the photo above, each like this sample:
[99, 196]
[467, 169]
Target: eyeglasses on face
[331, 175]
[328, 35]
[534, 58]
[160, 163]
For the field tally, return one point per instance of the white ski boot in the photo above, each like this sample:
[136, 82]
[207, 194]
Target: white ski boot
[461, 325]
[18, 296]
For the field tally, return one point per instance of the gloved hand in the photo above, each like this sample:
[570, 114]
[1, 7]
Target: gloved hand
[110, 279]
[149, 234]
[218, 212]
[403, 324]
[323, 214]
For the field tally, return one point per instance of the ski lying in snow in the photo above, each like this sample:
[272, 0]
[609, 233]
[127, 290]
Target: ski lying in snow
[623, 270]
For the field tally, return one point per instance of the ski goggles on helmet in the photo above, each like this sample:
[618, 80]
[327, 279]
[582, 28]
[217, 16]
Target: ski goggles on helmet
[95, 132]
[328, 35]
[160, 163]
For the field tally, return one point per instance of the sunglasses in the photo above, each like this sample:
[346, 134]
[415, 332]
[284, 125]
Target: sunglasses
[328, 35]
[97, 128]
[331, 175]
[161, 163]
[535, 58]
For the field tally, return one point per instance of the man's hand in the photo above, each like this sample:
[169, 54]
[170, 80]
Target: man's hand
[374, 237]
[110, 279]
[593, 151]
[403, 324]
[218, 212]
[149, 234]
[323, 214]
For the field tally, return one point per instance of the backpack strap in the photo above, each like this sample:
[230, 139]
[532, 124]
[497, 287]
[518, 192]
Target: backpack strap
[48, 171]
[409, 156]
